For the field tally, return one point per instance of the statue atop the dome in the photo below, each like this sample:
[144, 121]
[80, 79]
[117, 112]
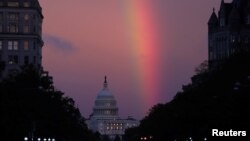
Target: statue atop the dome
[105, 82]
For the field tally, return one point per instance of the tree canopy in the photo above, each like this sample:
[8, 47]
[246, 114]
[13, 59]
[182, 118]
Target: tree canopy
[117, 138]
[217, 98]
[30, 106]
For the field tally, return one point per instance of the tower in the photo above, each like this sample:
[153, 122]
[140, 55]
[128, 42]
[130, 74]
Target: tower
[228, 32]
[20, 35]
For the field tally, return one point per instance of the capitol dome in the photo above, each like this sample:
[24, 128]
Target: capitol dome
[105, 118]
[105, 103]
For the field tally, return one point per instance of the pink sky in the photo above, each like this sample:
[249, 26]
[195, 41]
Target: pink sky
[88, 39]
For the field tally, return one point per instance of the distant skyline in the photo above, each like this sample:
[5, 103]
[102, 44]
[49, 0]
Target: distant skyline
[147, 48]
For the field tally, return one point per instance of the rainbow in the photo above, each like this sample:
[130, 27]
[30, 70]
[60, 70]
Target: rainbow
[143, 39]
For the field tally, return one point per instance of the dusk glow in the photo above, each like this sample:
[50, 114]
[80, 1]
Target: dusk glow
[147, 48]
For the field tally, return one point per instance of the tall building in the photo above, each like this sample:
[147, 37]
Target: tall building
[229, 31]
[105, 118]
[20, 34]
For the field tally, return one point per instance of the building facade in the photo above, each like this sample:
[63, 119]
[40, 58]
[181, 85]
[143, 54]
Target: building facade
[105, 118]
[20, 34]
[228, 31]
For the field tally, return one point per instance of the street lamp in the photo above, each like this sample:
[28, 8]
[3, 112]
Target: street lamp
[39, 139]
[145, 138]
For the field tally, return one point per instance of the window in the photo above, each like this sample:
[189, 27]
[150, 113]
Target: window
[248, 20]
[246, 40]
[222, 22]
[1, 27]
[26, 4]
[12, 45]
[1, 16]
[13, 22]
[26, 29]
[13, 4]
[13, 16]
[232, 38]
[15, 46]
[26, 17]
[12, 71]
[1, 20]
[26, 45]
[1, 45]
[34, 45]
[26, 60]
[13, 59]
[13, 27]
[34, 59]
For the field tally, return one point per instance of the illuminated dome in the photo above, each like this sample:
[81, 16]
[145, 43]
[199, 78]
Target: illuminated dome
[105, 103]
[105, 118]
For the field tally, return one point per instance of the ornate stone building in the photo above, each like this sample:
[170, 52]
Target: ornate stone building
[105, 118]
[229, 31]
[20, 34]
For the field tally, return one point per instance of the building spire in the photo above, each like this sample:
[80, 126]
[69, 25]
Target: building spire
[213, 20]
[105, 84]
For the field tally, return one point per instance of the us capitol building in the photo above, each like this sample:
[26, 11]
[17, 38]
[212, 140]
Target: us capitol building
[105, 118]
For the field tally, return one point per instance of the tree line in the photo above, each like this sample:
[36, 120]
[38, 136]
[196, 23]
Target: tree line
[31, 107]
[217, 98]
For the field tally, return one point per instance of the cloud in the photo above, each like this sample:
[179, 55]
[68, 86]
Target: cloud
[58, 43]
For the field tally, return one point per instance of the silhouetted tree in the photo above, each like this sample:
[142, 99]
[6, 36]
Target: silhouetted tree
[106, 138]
[202, 68]
[217, 98]
[117, 138]
[96, 137]
[31, 106]
[132, 134]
